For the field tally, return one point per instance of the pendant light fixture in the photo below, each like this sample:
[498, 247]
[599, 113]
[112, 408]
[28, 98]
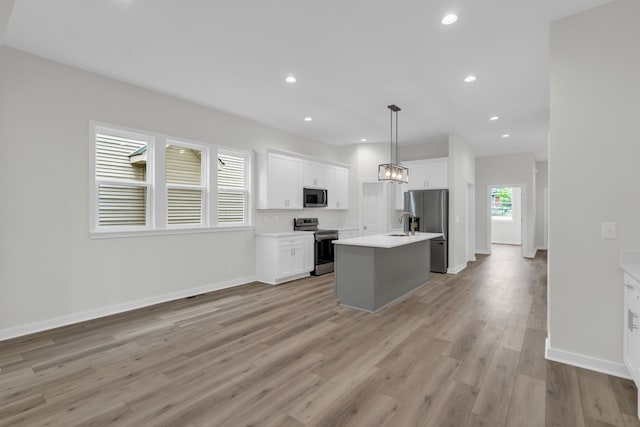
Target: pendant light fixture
[393, 171]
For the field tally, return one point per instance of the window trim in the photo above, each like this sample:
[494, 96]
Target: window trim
[204, 184]
[156, 213]
[248, 158]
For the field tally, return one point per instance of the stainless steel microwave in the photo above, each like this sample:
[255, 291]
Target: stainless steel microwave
[314, 198]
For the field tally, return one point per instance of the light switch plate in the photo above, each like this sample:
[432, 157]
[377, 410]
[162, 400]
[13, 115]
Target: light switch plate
[608, 230]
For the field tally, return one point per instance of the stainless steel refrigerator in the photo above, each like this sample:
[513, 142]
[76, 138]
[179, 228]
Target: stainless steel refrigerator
[431, 208]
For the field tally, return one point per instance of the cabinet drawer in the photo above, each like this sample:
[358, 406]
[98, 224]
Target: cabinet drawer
[290, 242]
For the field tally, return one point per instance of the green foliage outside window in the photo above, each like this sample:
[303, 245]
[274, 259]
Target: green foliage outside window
[501, 202]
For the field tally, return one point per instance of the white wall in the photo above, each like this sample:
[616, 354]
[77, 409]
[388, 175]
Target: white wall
[594, 175]
[49, 268]
[6, 6]
[461, 172]
[431, 150]
[542, 183]
[508, 231]
[505, 171]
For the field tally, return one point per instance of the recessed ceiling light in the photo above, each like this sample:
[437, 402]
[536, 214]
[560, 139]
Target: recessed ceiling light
[506, 135]
[494, 118]
[449, 19]
[363, 139]
[290, 79]
[307, 119]
[470, 78]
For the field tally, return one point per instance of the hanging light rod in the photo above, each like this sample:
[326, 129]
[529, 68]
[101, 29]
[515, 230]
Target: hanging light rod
[393, 171]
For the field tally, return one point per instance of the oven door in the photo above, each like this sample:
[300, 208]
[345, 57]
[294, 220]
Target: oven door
[324, 254]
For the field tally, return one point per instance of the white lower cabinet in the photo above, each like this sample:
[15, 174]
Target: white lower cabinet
[281, 257]
[632, 326]
[631, 353]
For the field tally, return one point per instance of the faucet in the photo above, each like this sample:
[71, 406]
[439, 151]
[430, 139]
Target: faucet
[402, 215]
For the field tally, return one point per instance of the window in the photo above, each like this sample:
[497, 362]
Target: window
[185, 185]
[232, 190]
[121, 178]
[145, 182]
[501, 203]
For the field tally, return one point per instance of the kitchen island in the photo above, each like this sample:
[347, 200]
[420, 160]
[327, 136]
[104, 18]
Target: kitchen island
[373, 271]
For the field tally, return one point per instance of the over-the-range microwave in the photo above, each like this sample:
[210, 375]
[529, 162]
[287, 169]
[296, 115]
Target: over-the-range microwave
[314, 198]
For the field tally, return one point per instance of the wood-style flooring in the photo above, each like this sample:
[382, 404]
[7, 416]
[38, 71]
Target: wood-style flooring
[464, 350]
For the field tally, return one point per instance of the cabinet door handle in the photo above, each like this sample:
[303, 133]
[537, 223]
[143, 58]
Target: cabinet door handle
[630, 320]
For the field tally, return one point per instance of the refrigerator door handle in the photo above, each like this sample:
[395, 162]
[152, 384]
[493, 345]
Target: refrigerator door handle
[442, 210]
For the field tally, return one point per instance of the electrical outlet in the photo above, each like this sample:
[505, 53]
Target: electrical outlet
[608, 230]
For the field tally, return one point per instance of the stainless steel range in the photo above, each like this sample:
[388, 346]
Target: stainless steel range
[324, 251]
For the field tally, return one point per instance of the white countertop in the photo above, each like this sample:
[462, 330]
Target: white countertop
[285, 234]
[630, 263]
[386, 241]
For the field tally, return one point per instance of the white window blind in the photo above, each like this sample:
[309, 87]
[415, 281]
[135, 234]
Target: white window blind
[184, 185]
[147, 183]
[121, 179]
[232, 189]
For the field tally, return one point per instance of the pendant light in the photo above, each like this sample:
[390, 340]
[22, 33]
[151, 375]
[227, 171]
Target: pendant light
[393, 171]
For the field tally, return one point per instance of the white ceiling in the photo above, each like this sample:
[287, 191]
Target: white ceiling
[351, 58]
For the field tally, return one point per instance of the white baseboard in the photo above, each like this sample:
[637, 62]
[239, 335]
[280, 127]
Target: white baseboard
[531, 255]
[70, 319]
[457, 269]
[541, 248]
[482, 252]
[586, 362]
[504, 242]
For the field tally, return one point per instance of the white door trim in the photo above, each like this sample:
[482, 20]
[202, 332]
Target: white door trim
[471, 222]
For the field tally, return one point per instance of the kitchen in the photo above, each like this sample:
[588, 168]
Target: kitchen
[53, 274]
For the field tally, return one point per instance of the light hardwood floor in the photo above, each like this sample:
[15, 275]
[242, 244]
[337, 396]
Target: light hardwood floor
[464, 350]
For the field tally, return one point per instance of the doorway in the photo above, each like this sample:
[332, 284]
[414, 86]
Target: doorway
[373, 208]
[506, 216]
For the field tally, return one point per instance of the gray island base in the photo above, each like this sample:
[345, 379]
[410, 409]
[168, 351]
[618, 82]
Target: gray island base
[373, 271]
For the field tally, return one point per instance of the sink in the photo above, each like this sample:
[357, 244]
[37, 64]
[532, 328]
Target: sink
[397, 235]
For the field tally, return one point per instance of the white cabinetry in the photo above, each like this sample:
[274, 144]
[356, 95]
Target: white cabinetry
[315, 175]
[427, 174]
[632, 326]
[337, 179]
[630, 264]
[281, 257]
[281, 178]
[280, 182]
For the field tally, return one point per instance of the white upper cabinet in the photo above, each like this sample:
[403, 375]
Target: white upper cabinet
[315, 175]
[417, 177]
[427, 174]
[337, 187]
[437, 174]
[283, 178]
